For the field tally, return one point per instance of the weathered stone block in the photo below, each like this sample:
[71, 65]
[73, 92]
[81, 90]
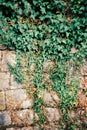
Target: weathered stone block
[13, 128]
[46, 79]
[32, 67]
[2, 101]
[72, 114]
[3, 47]
[4, 80]
[82, 99]
[11, 58]
[0, 60]
[84, 83]
[3, 65]
[36, 128]
[84, 70]
[13, 84]
[27, 128]
[48, 65]
[18, 98]
[0, 56]
[52, 114]
[5, 119]
[73, 50]
[51, 127]
[51, 98]
[22, 117]
[24, 128]
[7, 57]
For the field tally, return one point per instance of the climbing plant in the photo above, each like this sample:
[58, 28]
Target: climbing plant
[49, 30]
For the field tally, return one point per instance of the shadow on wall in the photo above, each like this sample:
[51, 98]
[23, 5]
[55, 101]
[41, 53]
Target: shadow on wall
[2, 119]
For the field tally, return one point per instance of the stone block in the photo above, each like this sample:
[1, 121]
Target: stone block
[13, 128]
[32, 67]
[22, 117]
[3, 47]
[27, 128]
[2, 101]
[11, 58]
[46, 79]
[51, 98]
[73, 50]
[24, 128]
[3, 65]
[5, 119]
[13, 84]
[51, 127]
[0, 60]
[48, 65]
[36, 128]
[52, 114]
[4, 80]
[18, 98]
[84, 70]
[7, 57]
[82, 99]
[0, 55]
[84, 83]
[72, 114]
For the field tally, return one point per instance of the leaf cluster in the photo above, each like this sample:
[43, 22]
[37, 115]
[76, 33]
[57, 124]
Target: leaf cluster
[48, 29]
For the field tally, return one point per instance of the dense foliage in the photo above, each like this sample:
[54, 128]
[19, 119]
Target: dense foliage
[52, 27]
[49, 29]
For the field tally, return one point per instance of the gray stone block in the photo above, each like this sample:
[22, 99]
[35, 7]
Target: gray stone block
[18, 98]
[22, 117]
[5, 119]
[51, 98]
[52, 114]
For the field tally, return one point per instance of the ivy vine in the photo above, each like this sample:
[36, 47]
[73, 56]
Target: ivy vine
[48, 29]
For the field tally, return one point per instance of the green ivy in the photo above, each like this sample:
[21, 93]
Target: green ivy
[48, 29]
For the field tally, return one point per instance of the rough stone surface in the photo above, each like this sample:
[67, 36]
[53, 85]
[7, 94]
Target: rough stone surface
[2, 101]
[22, 117]
[48, 65]
[8, 57]
[82, 100]
[72, 114]
[46, 79]
[18, 98]
[3, 47]
[24, 128]
[11, 58]
[4, 80]
[16, 112]
[3, 65]
[5, 119]
[84, 83]
[32, 67]
[50, 98]
[36, 128]
[0, 56]
[27, 128]
[52, 114]
[84, 69]
[13, 83]
[73, 50]
[13, 128]
[51, 127]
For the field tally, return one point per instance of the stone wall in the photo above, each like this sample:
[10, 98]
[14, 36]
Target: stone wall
[16, 111]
